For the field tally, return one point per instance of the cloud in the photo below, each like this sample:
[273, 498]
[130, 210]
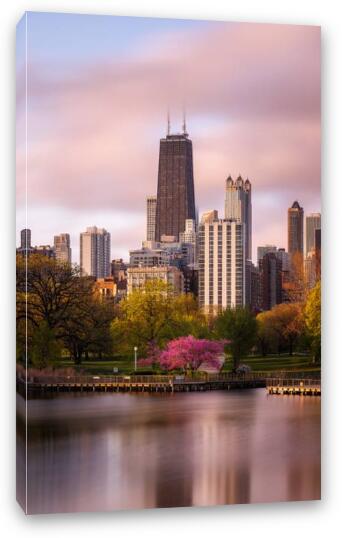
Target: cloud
[252, 93]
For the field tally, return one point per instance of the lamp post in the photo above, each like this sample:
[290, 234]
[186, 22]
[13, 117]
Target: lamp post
[135, 358]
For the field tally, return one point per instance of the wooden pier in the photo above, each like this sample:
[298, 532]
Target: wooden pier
[293, 387]
[149, 383]
[35, 386]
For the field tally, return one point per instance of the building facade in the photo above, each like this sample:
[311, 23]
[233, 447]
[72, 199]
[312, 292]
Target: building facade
[25, 238]
[318, 253]
[106, 289]
[209, 216]
[310, 269]
[151, 207]
[188, 241]
[95, 252]
[312, 223]
[270, 269]
[265, 249]
[189, 234]
[176, 195]
[253, 287]
[238, 206]
[222, 265]
[295, 219]
[25, 248]
[62, 248]
[118, 270]
[137, 278]
[284, 258]
[146, 257]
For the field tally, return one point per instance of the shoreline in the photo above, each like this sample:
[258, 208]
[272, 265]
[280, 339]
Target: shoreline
[274, 383]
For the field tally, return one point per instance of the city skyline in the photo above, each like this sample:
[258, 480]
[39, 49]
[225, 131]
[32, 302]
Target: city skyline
[88, 94]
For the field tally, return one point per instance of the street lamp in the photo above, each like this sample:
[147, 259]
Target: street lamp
[135, 358]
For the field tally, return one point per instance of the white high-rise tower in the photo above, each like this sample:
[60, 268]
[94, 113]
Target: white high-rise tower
[95, 252]
[238, 206]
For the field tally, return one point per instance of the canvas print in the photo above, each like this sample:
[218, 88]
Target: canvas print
[168, 263]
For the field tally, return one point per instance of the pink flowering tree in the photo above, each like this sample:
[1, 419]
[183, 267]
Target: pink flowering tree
[153, 355]
[189, 353]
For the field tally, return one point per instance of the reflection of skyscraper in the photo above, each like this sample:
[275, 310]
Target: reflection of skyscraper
[312, 223]
[176, 196]
[151, 204]
[295, 217]
[62, 248]
[95, 252]
[238, 206]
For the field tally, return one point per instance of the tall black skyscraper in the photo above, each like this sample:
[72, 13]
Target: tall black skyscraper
[295, 219]
[175, 196]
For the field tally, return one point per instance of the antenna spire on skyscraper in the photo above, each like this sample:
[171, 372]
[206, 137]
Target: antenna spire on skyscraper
[184, 121]
[168, 123]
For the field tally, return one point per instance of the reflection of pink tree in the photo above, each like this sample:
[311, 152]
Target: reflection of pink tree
[188, 353]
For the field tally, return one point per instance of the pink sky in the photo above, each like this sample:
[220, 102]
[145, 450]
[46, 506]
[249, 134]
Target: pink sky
[252, 94]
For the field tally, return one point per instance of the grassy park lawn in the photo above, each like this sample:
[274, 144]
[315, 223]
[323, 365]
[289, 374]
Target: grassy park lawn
[278, 362]
[257, 363]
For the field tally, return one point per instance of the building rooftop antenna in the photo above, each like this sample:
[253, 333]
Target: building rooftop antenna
[168, 123]
[184, 121]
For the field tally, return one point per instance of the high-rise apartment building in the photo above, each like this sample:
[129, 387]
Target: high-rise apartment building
[222, 265]
[310, 269]
[283, 256]
[25, 248]
[265, 249]
[175, 196]
[312, 223]
[62, 248]
[95, 252]
[295, 218]
[238, 206]
[253, 287]
[151, 206]
[270, 268]
[25, 239]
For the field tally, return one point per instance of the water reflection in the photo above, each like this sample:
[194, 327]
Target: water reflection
[115, 451]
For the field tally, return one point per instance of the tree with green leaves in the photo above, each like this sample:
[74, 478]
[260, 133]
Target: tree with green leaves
[45, 349]
[312, 317]
[239, 327]
[266, 337]
[55, 299]
[154, 315]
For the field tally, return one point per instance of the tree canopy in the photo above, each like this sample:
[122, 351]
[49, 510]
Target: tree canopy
[239, 326]
[152, 316]
[57, 308]
[312, 317]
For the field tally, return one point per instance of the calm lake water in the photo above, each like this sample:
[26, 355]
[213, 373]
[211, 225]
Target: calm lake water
[114, 451]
